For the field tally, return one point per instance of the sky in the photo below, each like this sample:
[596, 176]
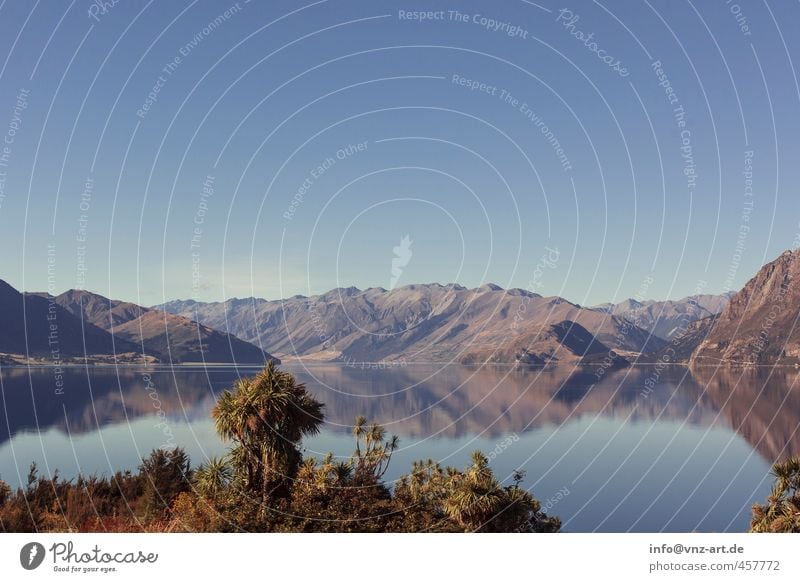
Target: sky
[209, 150]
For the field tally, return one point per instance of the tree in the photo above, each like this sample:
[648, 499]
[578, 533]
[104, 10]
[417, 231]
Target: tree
[475, 496]
[5, 492]
[346, 495]
[373, 451]
[781, 513]
[264, 484]
[436, 499]
[166, 474]
[267, 417]
[420, 497]
[213, 478]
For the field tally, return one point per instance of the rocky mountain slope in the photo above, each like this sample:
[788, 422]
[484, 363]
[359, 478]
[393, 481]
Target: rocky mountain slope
[421, 323]
[34, 326]
[683, 344]
[98, 310]
[432, 323]
[169, 337]
[564, 342]
[667, 319]
[759, 325]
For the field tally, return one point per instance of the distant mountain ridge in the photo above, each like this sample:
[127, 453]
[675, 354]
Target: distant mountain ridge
[93, 327]
[423, 322]
[670, 318]
[169, 337]
[35, 326]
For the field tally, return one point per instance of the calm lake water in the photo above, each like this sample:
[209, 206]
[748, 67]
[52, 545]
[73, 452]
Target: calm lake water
[692, 453]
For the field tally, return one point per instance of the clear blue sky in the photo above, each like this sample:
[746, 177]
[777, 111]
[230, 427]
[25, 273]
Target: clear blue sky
[262, 95]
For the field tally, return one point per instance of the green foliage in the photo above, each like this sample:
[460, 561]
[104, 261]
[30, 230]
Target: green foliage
[166, 474]
[781, 513]
[436, 499]
[213, 479]
[264, 484]
[373, 451]
[92, 503]
[338, 496]
[267, 417]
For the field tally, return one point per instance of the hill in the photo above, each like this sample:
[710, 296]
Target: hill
[171, 338]
[35, 326]
[416, 323]
[759, 325]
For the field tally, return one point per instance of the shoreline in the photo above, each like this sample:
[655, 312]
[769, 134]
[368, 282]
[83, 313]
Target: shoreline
[379, 365]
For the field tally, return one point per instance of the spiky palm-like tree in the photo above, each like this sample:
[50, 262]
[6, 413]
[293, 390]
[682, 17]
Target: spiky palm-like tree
[476, 501]
[476, 495]
[781, 513]
[166, 474]
[373, 451]
[267, 416]
[213, 478]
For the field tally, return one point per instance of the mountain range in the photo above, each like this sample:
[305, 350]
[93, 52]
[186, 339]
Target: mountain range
[79, 325]
[423, 323]
[667, 319]
[416, 323]
[437, 323]
[36, 326]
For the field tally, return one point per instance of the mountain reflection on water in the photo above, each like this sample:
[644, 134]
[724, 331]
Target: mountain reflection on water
[763, 406]
[633, 458]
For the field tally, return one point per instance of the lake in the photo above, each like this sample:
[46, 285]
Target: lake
[635, 451]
